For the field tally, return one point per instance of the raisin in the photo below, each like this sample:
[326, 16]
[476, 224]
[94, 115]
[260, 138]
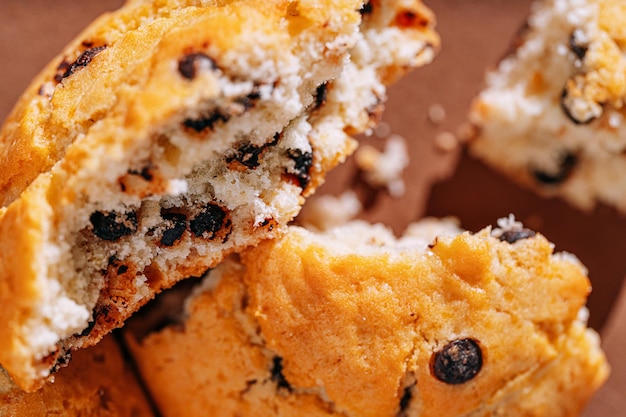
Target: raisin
[189, 65]
[207, 122]
[173, 233]
[578, 43]
[83, 60]
[459, 361]
[210, 220]
[277, 373]
[566, 164]
[112, 226]
[303, 162]
[512, 236]
[321, 93]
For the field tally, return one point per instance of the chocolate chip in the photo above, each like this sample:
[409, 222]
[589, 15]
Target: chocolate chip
[576, 104]
[87, 330]
[122, 269]
[578, 43]
[62, 360]
[320, 95]
[247, 155]
[189, 65]
[303, 162]
[112, 226]
[178, 222]
[209, 221]
[277, 373]
[208, 122]
[405, 400]
[565, 165]
[366, 8]
[83, 60]
[249, 101]
[512, 236]
[145, 173]
[459, 361]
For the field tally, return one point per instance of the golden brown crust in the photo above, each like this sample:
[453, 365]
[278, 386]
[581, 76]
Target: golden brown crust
[305, 324]
[98, 383]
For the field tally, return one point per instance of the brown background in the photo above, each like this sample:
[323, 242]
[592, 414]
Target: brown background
[475, 35]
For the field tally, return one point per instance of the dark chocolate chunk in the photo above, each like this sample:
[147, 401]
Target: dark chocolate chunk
[320, 95]
[566, 164]
[277, 373]
[112, 225]
[405, 400]
[189, 65]
[579, 108]
[83, 60]
[178, 222]
[303, 162]
[459, 361]
[207, 122]
[366, 8]
[578, 43]
[210, 221]
[249, 101]
[62, 360]
[247, 155]
[512, 236]
[145, 173]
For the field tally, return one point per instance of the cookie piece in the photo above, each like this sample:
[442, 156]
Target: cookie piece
[551, 114]
[171, 133]
[98, 383]
[354, 322]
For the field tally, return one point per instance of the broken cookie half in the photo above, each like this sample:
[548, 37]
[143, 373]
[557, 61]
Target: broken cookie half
[168, 135]
[356, 322]
[551, 115]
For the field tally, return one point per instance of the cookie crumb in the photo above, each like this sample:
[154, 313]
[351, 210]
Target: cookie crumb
[446, 142]
[382, 130]
[384, 169]
[327, 211]
[436, 114]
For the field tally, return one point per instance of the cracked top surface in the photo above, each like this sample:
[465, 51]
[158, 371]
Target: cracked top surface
[317, 324]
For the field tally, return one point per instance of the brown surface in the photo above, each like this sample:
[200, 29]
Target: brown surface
[98, 382]
[474, 34]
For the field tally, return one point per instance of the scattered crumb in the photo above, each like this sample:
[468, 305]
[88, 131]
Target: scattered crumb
[383, 130]
[446, 141]
[436, 114]
[327, 211]
[465, 132]
[384, 169]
